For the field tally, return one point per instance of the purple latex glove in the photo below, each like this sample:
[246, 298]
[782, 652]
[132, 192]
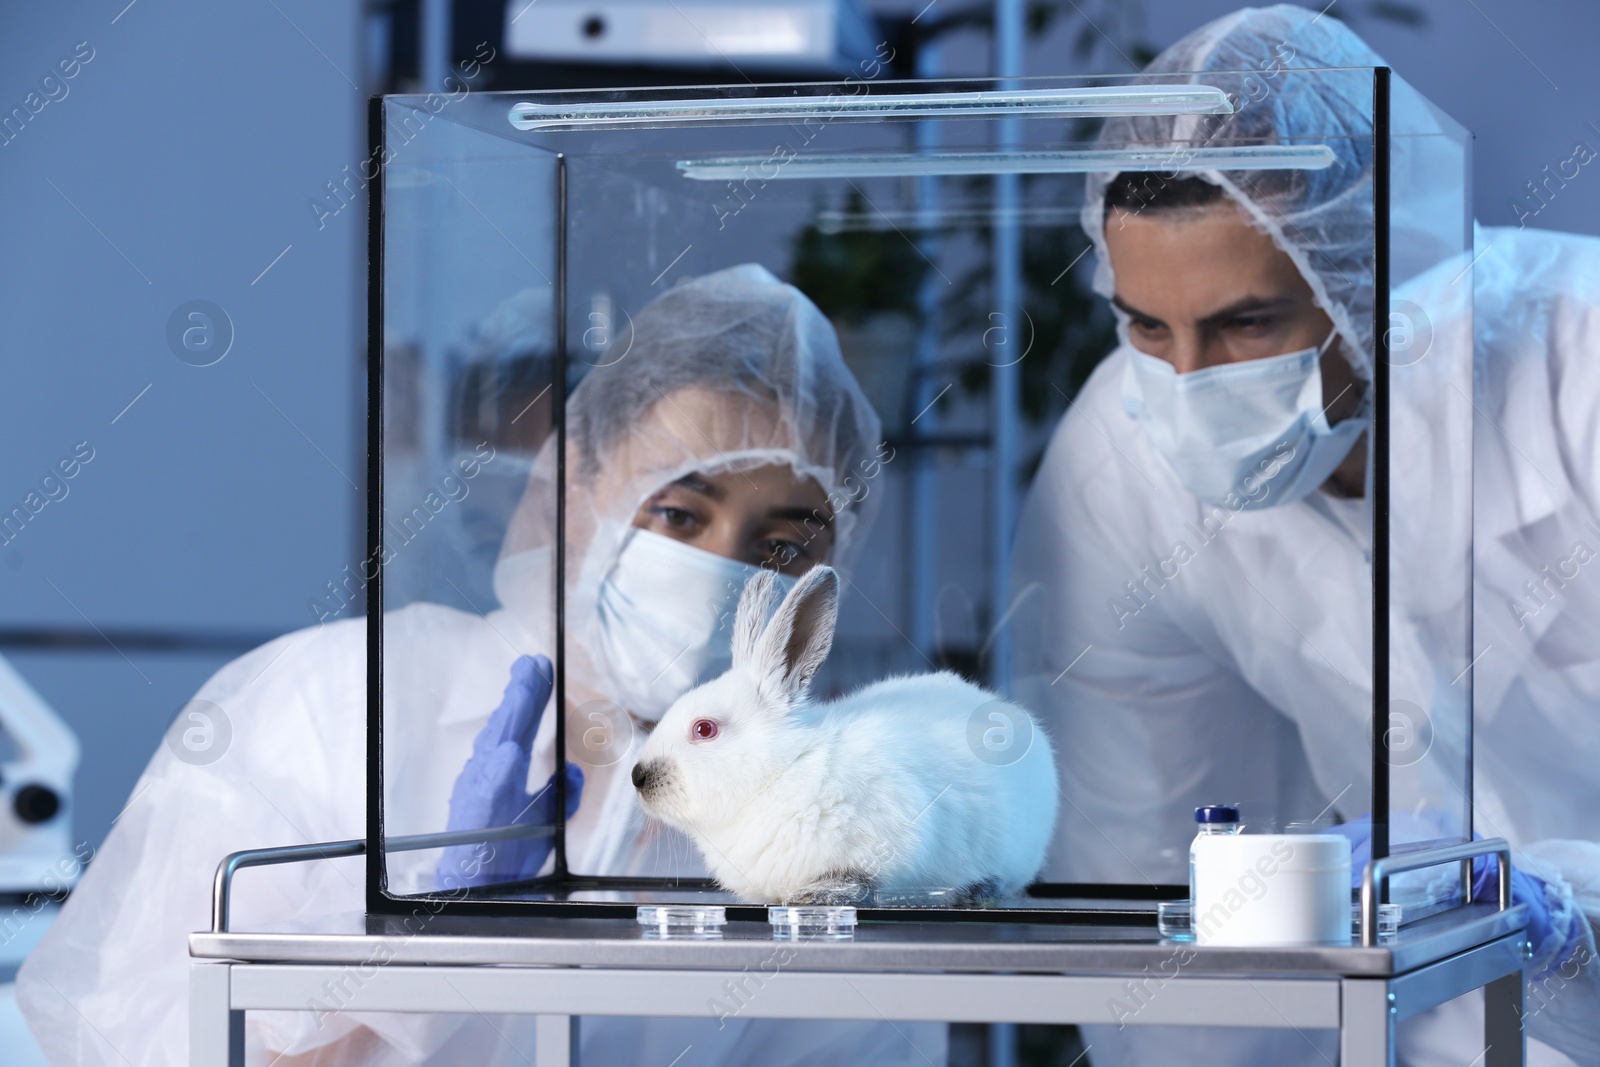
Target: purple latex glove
[491, 789]
[1525, 888]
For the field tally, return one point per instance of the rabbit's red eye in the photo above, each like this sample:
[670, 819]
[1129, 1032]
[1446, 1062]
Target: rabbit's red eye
[704, 729]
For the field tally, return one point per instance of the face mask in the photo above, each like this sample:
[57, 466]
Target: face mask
[1245, 435]
[665, 618]
[522, 584]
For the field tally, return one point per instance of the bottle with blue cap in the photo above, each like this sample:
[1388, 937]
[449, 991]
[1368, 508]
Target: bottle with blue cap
[1212, 819]
[1174, 918]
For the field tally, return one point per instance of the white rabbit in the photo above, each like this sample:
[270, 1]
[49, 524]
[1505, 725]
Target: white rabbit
[910, 784]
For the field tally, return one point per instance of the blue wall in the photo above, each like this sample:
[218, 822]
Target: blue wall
[176, 164]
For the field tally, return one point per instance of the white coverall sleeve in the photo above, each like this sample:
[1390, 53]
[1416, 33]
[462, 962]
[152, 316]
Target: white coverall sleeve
[1561, 1005]
[1538, 297]
[109, 983]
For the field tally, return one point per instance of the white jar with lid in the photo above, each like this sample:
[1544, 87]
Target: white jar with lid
[1271, 889]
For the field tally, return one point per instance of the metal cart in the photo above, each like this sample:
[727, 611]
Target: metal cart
[562, 968]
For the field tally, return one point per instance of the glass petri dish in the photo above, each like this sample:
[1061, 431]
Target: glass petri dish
[1174, 920]
[814, 922]
[682, 921]
[1389, 917]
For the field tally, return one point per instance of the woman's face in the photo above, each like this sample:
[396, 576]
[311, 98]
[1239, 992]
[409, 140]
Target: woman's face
[763, 516]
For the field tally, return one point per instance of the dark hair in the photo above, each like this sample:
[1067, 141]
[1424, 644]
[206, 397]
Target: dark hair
[1136, 191]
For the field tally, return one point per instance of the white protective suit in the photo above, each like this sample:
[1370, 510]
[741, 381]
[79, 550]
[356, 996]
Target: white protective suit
[752, 375]
[1244, 672]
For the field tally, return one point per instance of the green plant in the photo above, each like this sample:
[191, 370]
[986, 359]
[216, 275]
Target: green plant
[857, 271]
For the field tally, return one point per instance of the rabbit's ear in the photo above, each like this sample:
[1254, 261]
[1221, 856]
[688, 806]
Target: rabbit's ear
[755, 606]
[794, 647]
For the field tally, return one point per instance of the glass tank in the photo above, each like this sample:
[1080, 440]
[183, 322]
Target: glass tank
[791, 480]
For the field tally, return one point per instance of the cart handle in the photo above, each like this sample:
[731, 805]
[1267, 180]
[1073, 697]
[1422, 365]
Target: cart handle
[222, 886]
[1379, 871]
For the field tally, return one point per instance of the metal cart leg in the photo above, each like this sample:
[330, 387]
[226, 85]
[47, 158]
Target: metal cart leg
[216, 1030]
[1503, 1036]
[1366, 1023]
[555, 1041]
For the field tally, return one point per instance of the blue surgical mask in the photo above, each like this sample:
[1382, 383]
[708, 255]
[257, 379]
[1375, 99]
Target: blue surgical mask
[1246, 435]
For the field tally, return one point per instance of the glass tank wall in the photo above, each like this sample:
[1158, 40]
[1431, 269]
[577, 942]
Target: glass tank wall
[638, 352]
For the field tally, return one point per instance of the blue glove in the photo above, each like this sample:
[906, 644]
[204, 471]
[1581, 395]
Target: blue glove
[1525, 889]
[1359, 834]
[1528, 889]
[491, 790]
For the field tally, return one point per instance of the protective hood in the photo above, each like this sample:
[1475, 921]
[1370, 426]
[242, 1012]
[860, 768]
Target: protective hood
[728, 371]
[1321, 219]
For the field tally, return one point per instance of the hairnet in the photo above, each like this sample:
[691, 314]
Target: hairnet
[729, 371]
[517, 326]
[1322, 219]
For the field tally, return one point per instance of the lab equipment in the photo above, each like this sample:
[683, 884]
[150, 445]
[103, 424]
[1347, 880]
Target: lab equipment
[825, 922]
[696, 922]
[911, 164]
[1175, 920]
[816, 38]
[617, 198]
[1555, 918]
[1211, 819]
[1086, 102]
[1325, 999]
[1389, 918]
[36, 769]
[1555, 925]
[1271, 889]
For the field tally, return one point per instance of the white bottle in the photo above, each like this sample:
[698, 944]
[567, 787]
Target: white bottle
[1211, 819]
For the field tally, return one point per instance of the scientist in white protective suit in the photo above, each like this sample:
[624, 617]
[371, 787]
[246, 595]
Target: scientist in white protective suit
[730, 437]
[1193, 558]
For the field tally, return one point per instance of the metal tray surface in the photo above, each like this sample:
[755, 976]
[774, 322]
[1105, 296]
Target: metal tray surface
[877, 946]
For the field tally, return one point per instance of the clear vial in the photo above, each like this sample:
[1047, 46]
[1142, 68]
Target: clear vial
[1212, 819]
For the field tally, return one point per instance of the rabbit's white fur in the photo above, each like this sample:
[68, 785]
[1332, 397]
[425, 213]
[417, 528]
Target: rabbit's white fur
[883, 789]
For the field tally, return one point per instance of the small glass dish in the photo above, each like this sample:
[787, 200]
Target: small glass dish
[693, 922]
[926, 897]
[812, 923]
[1174, 920]
[1388, 921]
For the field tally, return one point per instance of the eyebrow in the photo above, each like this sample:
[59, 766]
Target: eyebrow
[695, 483]
[1238, 307]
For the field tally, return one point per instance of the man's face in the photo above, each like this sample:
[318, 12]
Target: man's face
[1202, 287]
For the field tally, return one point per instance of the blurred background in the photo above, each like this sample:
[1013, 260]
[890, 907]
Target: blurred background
[182, 283]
